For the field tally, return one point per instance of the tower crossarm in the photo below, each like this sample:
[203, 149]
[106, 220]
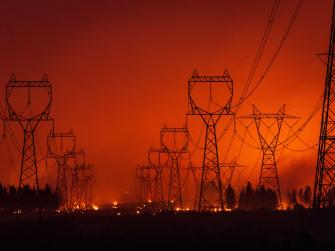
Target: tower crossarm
[269, 116]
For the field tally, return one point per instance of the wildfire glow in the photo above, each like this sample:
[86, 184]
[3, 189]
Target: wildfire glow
[284, 206]
[95, 207]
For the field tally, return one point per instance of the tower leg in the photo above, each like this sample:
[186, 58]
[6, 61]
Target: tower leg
[324, 186]
[159, 196]
[269, 175]
[62, 187]
[74, 194]
[175, 196]
[210, 194]
[28, 173]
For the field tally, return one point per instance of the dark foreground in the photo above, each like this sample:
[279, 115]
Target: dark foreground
[299, 230]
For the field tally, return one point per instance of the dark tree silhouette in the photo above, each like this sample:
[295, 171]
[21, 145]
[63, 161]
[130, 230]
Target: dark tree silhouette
[301, 196]
[26, 199]
[331, 198]
[246, 198]
[249, 197]
[258, 199]
[292, 198]
[307, 197]
[230, 198]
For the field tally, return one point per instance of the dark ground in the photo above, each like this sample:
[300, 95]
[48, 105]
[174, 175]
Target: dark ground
[298, 230]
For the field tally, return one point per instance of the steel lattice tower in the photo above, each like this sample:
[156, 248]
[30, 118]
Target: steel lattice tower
[61, 147]
[29, 122]
[211, 184]
[155, 160]
[269, 174]
[86, 177]
[79, 164]
[324, 189]
[146, 177]
[175, 150]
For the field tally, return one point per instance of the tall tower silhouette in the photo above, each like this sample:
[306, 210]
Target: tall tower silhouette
[218, 91]
[61, 147]
[23, 101]
[324, 190]
[156, 160]
[174, 141]
[269, 126]
[146, 177]
[75, 185]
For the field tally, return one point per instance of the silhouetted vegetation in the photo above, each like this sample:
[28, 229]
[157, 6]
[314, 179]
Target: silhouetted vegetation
[230, 198]
[302, 199]
[256, 199]
[26, 199]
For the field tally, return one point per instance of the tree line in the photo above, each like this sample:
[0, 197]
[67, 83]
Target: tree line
[300, 199]
[13, 199]
[266, 198]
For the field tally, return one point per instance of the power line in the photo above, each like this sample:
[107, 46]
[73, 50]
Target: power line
[244, 95]
[275, 55]
[260, 49]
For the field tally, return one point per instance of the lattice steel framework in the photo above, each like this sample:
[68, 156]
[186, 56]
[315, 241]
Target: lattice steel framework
[146, 177]
[28, 122]
[269, 174]
[156, 160]
[175, 151]
[211, 184]
[324, 190]
[61, 148]
[86, 180]
[75, 189]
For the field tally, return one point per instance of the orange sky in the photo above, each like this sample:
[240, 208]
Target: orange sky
[119, 70]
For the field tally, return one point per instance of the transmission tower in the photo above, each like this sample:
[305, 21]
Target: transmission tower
[174, 141]
[269, 141]
[20, 109]
[146, 177]
[90, 191]
[156, 160]
[79, 164]
[211, 111]
[325, 168]
[86, 178]
[61, 147]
